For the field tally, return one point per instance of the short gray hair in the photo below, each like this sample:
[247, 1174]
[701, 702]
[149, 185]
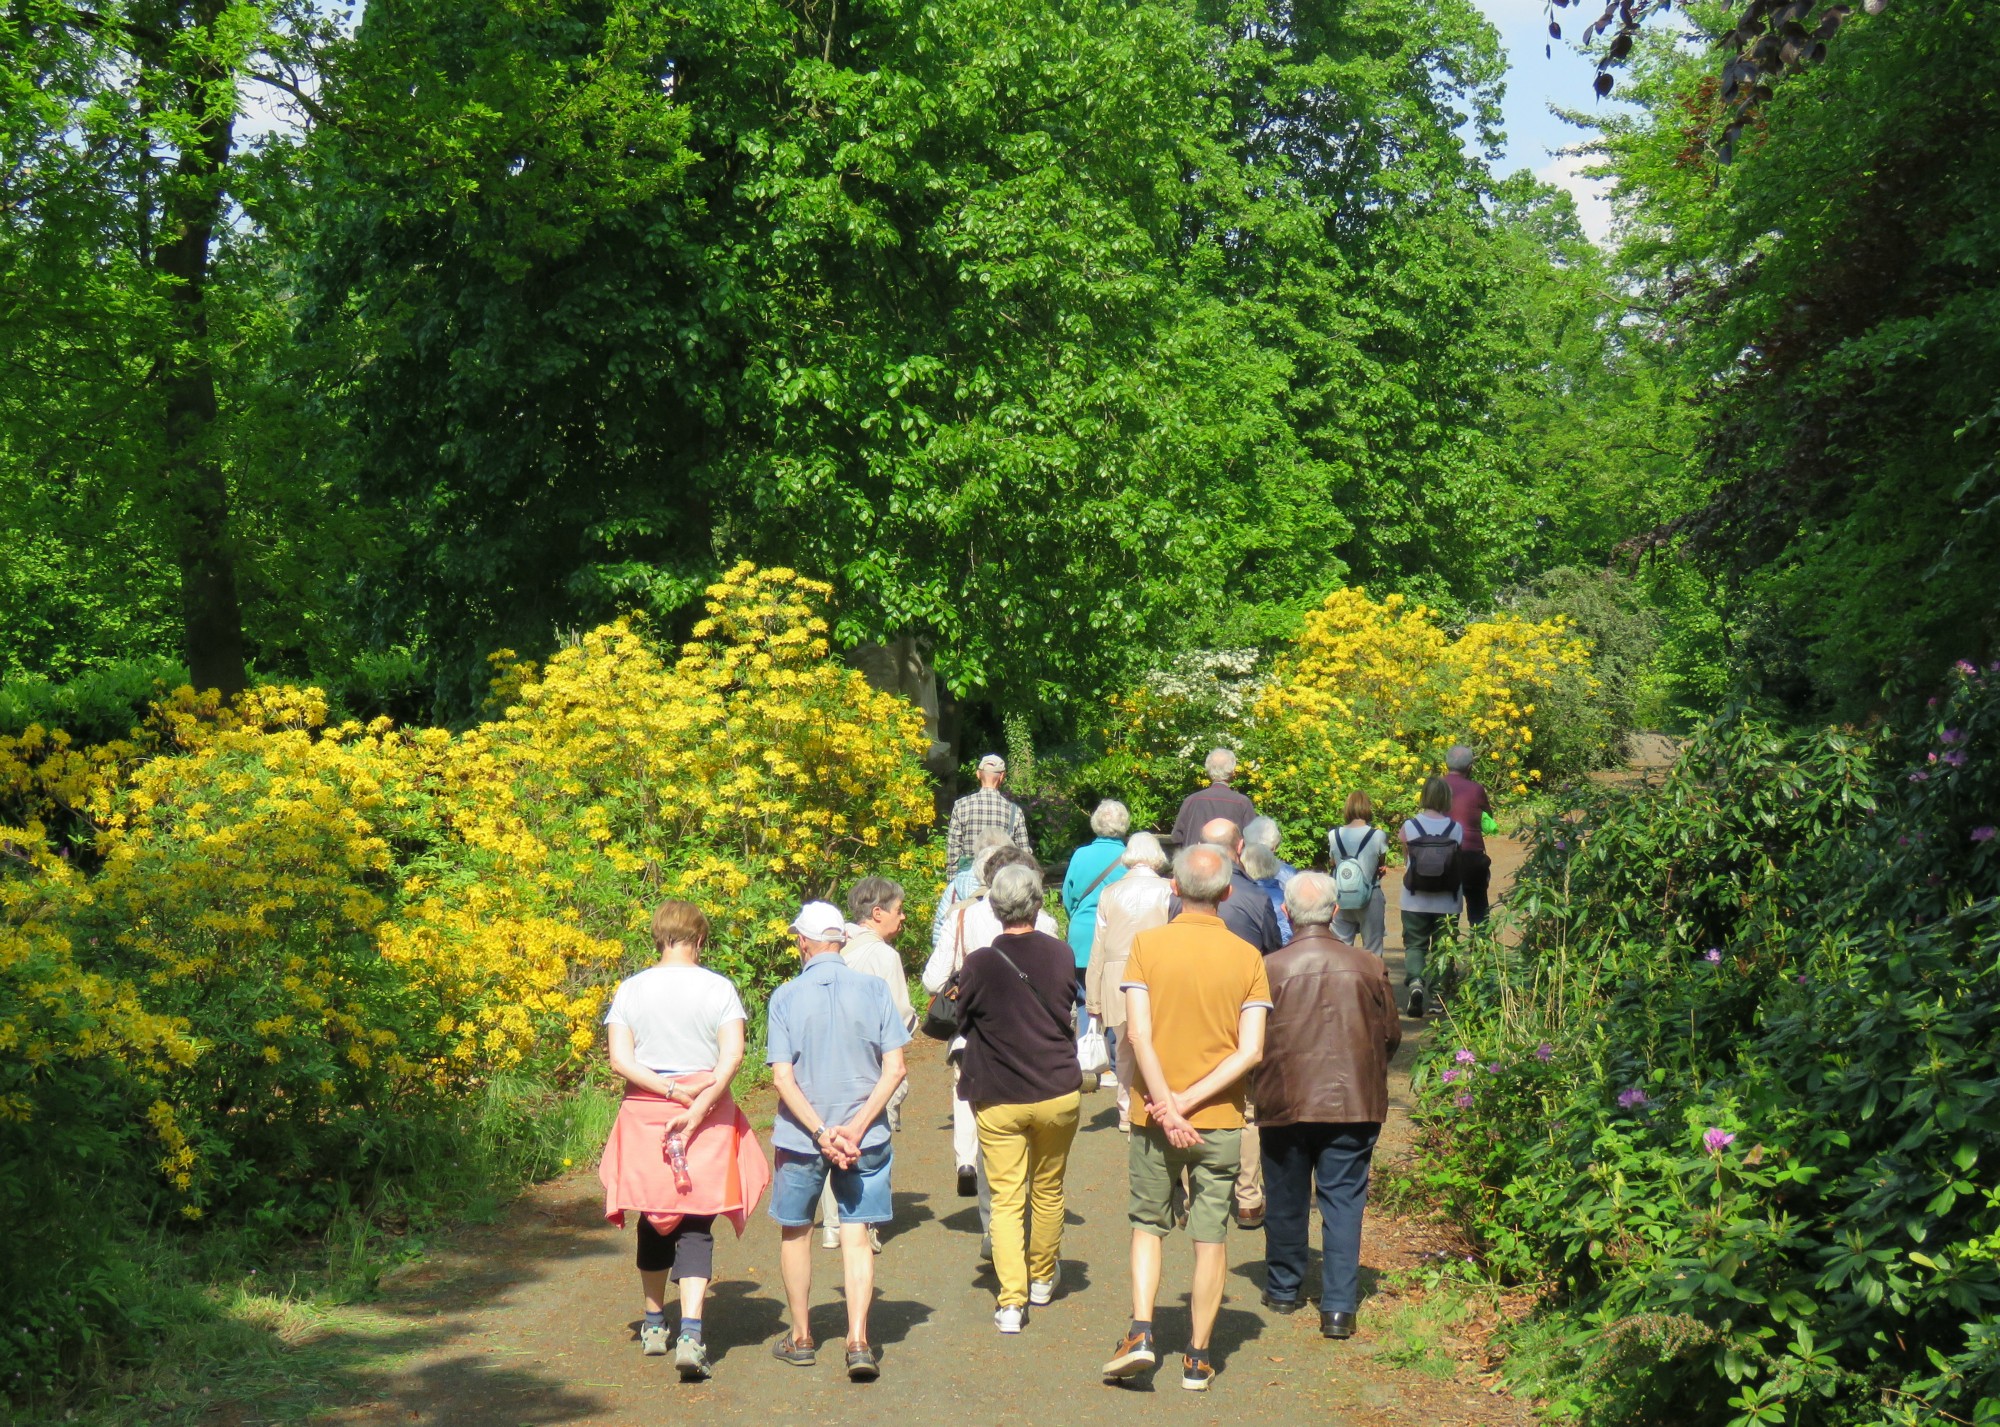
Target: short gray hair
[1459, 757]
[1016, 895]
[872, 894]
[1310, 899]
[1112, 819]
[1261, 829]
[1259, 861]
[1202, 873]
[1143, 849]
[1220, 765]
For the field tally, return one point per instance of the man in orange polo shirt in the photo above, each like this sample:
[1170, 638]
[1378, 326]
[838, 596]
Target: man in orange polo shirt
[1195, 1001]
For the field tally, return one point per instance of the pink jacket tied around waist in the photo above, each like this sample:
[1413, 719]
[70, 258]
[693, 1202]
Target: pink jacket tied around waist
[724, 1161]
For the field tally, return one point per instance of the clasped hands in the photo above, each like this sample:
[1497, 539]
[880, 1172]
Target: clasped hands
[842, 1143]
[685, 1091]
[1171, 1116]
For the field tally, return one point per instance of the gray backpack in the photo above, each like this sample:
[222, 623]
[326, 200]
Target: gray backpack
[1353, 888]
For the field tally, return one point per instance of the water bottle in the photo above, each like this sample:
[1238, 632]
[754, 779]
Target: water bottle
[678, 1158]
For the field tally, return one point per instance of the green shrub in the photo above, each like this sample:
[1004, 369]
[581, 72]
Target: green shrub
[1582, 719]
[1734, 1100]
[101, 706]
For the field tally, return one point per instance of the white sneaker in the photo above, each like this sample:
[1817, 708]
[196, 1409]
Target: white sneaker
[875, 1239]
[829, 1236]
[1040, 1291]
[1107, 1080]
[1009, 1320]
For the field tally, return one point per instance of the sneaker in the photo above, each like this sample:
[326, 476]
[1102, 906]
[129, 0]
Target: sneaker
[1124, 1124]
[1009, 1319]
[986, 1248]
[875, 1240]
[829, 1236]
[968, 1182]
[1107, 1080]
[861, 1363]
[799, 1352]
[1197, 1374]
[691, 1357]
[653, 1339]
[1135, 1355]
[1416, 1010]
[1042, 1291]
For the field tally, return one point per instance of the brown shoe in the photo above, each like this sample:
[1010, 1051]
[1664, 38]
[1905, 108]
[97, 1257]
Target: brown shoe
[1135, 1354]
[862, 1364]
[799, 1352]
[1249, 1218]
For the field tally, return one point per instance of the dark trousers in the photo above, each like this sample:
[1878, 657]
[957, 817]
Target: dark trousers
[1477, 870]
[1335, 1159]
[688, 1252]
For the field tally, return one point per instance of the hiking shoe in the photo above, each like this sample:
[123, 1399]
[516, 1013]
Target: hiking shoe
[691, 1358]
[1416, 1010]
[1042, 1291]
[1135, 1355]
[653, 1339]
[968, 1182]
[1010, 1318]
[799, 1352]
[861, 1363]
[1197, 1374]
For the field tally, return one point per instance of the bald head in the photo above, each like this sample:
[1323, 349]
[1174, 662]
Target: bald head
[1201, 876]
[1223, 833]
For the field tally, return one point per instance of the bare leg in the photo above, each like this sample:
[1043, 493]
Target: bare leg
[857, 1257]
[796, 1265]
[1211, 1265]
[693, 1291]
[1145, 1274]
[654, 1285]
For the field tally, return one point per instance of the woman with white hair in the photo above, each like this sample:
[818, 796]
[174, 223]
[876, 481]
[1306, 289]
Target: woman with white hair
[1093, 869]
[1137, 903]
[1019, 1074]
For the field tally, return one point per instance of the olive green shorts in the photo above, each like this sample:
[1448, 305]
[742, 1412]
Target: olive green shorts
[1155, 1169]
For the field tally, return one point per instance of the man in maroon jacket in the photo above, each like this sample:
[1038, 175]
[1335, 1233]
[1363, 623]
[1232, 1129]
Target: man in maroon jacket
[1468, 802]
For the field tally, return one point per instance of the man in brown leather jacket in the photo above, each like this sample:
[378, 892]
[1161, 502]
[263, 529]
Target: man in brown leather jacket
[1322, 1092]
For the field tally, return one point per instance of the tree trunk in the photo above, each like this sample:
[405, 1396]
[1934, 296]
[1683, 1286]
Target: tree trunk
[197, 489]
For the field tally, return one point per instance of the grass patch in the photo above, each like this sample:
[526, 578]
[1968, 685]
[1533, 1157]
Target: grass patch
[279, 1327]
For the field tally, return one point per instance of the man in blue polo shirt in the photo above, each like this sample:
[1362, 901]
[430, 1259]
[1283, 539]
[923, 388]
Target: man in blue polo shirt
[834, 1042]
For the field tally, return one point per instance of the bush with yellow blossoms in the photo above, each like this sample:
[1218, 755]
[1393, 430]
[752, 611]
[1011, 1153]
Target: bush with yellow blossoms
[287, 941]
[1370, 695]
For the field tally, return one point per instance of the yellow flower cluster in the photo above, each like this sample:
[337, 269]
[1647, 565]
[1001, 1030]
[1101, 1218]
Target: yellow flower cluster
[296, 927]
[1372, 693]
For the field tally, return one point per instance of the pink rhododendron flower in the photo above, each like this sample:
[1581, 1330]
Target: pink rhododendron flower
[1717, 1140]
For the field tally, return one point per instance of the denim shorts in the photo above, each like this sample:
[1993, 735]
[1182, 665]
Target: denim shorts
[861, 1193]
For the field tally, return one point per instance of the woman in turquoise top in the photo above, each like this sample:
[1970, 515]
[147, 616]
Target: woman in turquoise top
[1092, 868]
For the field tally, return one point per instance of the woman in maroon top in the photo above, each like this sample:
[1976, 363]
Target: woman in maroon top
[1019, 1073]
[1468, 801]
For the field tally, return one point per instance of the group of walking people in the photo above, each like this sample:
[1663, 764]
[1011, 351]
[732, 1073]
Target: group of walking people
[1238, 1007]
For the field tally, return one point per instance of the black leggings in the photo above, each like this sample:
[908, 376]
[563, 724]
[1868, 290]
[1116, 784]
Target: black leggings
[688, 1252]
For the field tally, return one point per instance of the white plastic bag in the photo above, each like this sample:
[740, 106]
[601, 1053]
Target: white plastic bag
[1092, 1056]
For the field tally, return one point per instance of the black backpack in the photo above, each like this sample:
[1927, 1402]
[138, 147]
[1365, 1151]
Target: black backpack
[1434, 860]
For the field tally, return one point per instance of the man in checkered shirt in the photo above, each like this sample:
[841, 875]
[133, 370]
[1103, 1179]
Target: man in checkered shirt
[983, 811]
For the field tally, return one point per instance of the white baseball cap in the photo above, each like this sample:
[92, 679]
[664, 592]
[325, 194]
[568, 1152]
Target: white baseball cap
[993, 763]
[820, 921]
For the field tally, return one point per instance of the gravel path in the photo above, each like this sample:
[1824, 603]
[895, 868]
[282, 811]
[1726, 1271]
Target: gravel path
[533, 1320]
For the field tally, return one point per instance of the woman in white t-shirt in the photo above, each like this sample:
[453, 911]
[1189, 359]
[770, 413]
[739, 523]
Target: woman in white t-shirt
[681, 1154]
[1426, 911]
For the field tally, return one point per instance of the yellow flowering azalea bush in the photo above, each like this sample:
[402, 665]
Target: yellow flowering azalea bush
[1372, 693]
[296, 937]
